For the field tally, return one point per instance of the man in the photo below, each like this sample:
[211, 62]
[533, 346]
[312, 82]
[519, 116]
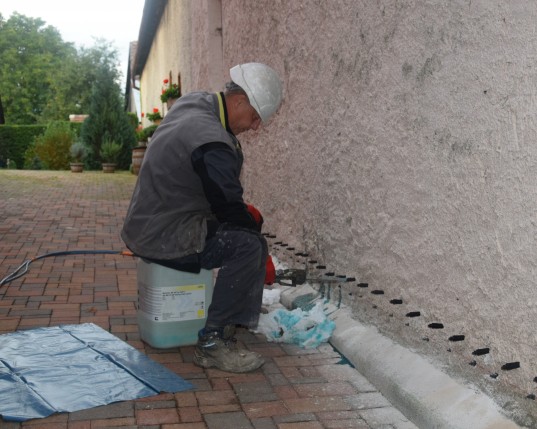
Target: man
[187, 211]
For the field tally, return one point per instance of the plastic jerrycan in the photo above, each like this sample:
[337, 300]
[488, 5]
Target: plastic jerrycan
[172, 304]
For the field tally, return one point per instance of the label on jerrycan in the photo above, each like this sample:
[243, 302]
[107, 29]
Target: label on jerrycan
[173, 303]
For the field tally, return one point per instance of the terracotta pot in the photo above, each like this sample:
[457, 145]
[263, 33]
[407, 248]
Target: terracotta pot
[109, 167]
[77, 167]
[170, 101]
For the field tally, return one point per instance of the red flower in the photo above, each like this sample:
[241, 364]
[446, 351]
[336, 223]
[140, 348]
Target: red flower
[143, 114]
[166, 80]
[155, 109]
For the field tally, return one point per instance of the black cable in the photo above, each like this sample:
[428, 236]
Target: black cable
[23, 268]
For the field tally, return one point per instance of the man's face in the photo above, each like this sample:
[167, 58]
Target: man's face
[243, 116]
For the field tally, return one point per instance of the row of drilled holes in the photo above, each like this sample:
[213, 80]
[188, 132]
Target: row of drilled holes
[456, 338]
[434, 325]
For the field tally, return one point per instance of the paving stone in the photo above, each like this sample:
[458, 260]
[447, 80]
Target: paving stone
[346, 373]
[222, 398]
[325, 389]
[327, 403]
[158, 416]
[224, 408]
[270, 368]
[251, 377]
[186, 399]
[339, 415]
[263, 423]
[349, 424]
[293, 418]
[285, 392]
[220, 384]
[301, 425]
[108, 423]
[228, 421]
[9, 425]
[256, 410]
[180, 426]
[190, 414]
[141, 405]
[119, 409]
[277, 379]
[254, 392]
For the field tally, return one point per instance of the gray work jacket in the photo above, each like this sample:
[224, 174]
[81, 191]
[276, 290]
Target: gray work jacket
[168, 214]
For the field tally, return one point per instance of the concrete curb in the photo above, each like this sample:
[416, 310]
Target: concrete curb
[426, 395]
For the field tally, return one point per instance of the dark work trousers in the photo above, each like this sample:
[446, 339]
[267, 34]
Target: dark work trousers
[241, 256]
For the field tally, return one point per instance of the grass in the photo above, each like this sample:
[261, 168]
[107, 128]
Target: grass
[97, 185]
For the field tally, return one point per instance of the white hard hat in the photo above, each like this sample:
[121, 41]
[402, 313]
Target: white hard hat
[262, 85]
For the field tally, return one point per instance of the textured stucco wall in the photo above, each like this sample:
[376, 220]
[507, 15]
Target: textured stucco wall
[404, 155]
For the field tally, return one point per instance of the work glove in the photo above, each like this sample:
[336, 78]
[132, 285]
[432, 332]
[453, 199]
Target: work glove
[270, 274]
[256, 215]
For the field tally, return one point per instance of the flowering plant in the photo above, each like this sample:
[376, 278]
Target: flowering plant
[171, 90]
[155, 116]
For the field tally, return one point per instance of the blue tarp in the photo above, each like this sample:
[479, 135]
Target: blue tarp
[74, 367]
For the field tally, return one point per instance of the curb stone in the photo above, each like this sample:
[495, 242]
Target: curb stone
[423, 393]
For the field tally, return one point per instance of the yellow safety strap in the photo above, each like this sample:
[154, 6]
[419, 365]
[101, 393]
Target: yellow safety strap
[223, 118]
[221, 105]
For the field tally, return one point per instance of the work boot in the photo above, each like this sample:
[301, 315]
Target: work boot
[218, 348]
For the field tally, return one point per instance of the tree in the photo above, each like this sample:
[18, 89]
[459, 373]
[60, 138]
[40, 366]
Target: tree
[107, 119]
[31, 53]
[73, 83]
[43, 78]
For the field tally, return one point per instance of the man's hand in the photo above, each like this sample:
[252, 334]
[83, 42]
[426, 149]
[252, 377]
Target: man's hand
[256, 215]
[270, 275]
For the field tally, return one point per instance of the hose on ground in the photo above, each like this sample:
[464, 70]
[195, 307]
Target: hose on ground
[23, 268]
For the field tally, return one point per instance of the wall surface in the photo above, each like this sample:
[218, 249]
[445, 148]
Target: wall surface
[165, 57]
[188, 42]
[403, 155]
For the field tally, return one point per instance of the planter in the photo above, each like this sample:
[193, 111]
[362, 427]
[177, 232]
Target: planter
[109, 167]
[137, 158]
[77, 167]
[170, 101]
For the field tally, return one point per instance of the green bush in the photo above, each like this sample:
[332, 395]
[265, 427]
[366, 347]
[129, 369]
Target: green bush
[147, 132]
[31, 160]
[15, 140]
[110, 151]
[78, 152]
[53, 147]
[133, 118]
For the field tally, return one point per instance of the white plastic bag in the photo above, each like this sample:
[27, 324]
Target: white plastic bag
[307, 329]
[271, 296]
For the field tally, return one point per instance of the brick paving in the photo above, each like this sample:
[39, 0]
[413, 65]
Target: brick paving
[43, 212]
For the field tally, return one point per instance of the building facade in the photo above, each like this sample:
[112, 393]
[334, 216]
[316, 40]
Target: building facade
[404, 155]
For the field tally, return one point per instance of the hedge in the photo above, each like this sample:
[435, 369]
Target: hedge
[15, 139]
